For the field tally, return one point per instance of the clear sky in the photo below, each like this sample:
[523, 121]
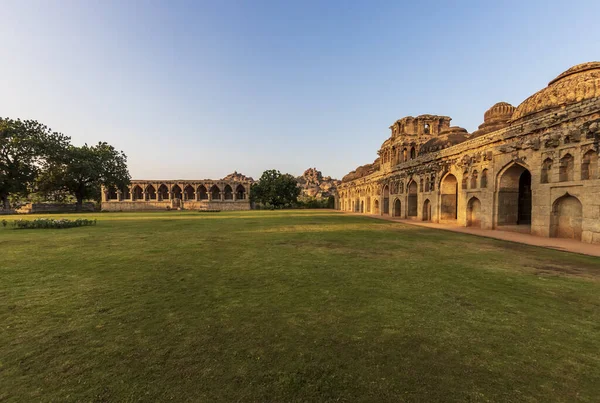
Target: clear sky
[199, 89]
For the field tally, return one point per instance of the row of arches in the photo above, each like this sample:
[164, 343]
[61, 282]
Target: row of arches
[566, 168]
[163, 192]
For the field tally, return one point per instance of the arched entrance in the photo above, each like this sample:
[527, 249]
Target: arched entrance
[397, 206]
[514, 196]
[368, 204]
[376, 206]
[449, 198]
[474, 213]
[386, 199]
[427, 210]
[362, 206]
[566, 218]
[412, 199]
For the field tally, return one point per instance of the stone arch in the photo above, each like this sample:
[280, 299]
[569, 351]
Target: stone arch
[397, 208]
[546, 171]
[202, 192]
[474, 177]
[413, 153]
[376, 205]
[126, 195]
[474, 212]
[228, 193]
[386, 199]
[362, 206]
[566, 168]
[176, 190]
[484, 178]
[368, 204]
[137, 193]
[163, 192]
[514, 195]
[412, 199]
[215, 192]
[567, 217]
[426, 210]
[151, 192]
[589, 165]
[449, 197]
[112, 193]
[240, 192]
[188, 192]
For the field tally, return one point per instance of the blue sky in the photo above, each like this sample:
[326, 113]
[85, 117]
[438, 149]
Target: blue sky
[199, 89]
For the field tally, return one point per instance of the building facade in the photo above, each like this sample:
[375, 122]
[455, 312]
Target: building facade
[225, 194]
[533, 168]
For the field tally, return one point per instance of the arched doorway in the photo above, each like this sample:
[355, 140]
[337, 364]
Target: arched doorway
[474, 213]
[215, 193]
[369, 204]
[202, 192]
[427, 210]
[566, 218]
[188, 193]
[176, 192]
[449, 198]
[397, 206]
[412, 199]
[386, 199]
[151, 192]
[514, 196]
[376, 206]
[163, 192]
[138, 193]
[228, 193]
[362, 206]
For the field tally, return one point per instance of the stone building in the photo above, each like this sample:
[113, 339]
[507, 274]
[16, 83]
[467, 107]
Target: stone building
[229, 193]
[533, 168]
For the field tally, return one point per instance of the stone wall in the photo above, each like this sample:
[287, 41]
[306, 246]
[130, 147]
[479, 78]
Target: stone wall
[168, 205]
[54, 208]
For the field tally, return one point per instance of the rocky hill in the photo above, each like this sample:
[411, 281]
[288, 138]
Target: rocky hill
[237, 177]
[314, 184]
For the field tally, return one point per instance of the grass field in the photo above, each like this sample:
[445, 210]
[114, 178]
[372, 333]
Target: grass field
[291, 306]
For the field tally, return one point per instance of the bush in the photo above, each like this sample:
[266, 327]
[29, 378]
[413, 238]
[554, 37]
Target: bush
[46, 223]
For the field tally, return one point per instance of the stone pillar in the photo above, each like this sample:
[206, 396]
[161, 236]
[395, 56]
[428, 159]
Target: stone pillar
[104, 194]
[145, 196]
[235, 195]
[119, 195]
[209, 195]
[170, 195]
[222, 195]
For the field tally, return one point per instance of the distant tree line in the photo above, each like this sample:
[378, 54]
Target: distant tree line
[275, 190]
[38, 163]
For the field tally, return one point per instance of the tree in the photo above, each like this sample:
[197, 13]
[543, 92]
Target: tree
[275, 189]
[24, 148]
[81, 171]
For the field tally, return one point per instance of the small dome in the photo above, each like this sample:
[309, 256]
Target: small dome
[449, 137]
[495, 118]
[577, 84]
[502, 111]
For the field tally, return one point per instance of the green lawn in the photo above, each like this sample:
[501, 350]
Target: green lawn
[291, 306]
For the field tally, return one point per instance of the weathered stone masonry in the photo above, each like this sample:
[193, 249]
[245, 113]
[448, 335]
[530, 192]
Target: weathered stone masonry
[178, 194]
[532, 169]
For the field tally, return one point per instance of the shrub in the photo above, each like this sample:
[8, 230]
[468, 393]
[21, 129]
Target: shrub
[45, 223]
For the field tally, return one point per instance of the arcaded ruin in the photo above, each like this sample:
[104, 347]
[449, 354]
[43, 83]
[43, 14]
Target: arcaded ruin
[533, 168]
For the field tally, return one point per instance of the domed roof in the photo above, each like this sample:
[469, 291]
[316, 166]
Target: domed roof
[447, 138]
[498, 112]
[577, 84]
[495, 118]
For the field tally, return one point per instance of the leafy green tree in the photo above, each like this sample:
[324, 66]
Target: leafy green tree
[24, 148]
[275, 189]
[81, 171]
